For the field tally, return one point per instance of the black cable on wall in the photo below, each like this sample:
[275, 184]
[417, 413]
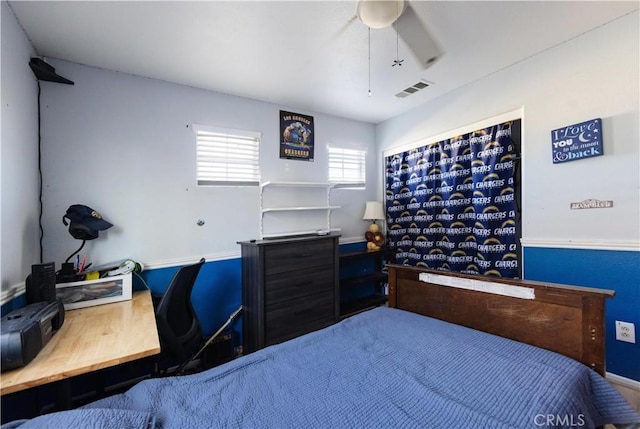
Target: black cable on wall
[47, 73]
[40, 178]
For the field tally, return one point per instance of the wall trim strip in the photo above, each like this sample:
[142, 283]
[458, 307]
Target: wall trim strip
[19, 289]
[623, 381]
[11, 293]
[581, 244]
[189, 260]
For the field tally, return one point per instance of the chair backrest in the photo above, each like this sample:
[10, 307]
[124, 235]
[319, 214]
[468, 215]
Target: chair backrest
[178, 325]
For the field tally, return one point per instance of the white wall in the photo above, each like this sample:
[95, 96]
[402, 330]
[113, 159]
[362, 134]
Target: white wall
[19, 232]
[594, 75]
[120, 144]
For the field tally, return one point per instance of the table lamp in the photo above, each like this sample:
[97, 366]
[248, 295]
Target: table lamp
[373, 212]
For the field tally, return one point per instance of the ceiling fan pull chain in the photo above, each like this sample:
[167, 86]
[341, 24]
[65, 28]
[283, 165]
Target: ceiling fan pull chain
[369, 61]
[397, 61]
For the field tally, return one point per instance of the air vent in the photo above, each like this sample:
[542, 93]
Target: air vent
[413, 89]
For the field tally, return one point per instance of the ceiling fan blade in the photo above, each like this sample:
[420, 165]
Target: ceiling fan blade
[343, 28]
[423, 47]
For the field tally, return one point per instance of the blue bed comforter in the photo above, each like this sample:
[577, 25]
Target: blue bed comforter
[384, 368]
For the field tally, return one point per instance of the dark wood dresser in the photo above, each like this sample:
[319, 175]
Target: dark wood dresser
[290, 287]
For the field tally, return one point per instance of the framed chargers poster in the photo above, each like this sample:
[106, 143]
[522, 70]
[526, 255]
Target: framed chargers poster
[579, 141]
[296, 136]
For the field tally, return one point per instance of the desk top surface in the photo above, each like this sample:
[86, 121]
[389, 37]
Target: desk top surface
[90, 339]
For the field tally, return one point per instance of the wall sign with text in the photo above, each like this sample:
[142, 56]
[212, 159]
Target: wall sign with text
[579, 141]
[591, 203]
[296, 136]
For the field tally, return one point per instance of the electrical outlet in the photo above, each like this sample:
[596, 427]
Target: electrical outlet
[625, 331]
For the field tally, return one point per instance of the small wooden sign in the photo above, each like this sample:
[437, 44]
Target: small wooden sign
[591, 204]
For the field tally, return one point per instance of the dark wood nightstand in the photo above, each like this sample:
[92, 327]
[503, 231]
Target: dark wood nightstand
[370, 278]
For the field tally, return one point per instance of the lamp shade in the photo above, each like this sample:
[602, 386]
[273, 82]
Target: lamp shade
[373, 211]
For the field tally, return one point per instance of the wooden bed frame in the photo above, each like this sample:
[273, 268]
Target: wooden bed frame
[561, 318]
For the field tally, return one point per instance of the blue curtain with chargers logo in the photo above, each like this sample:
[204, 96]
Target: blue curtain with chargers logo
[452, 205]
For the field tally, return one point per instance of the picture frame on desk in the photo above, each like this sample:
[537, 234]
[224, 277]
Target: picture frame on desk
[94, 292]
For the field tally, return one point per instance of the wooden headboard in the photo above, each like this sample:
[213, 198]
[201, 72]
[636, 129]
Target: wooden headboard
[564, 319]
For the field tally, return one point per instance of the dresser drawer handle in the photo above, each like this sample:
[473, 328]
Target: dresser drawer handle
[305, 255]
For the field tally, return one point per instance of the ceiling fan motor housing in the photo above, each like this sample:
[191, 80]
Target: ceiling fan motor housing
[379, 13]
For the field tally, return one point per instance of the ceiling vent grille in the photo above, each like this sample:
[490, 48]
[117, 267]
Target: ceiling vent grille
[413, 89]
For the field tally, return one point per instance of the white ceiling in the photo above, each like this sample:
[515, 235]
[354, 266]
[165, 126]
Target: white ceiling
[306, 55]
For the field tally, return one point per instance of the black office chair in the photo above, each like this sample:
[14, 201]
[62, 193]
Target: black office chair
[178, 325]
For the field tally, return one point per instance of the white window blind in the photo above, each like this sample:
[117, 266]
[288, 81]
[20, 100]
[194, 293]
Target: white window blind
[227, 157]
[347, 166]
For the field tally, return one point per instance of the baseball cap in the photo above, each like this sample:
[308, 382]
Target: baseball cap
[84, 222]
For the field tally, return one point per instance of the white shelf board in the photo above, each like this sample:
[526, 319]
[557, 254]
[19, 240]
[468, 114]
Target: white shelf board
[288, 209]
[297, 184]
[294, 233]
[348, 186]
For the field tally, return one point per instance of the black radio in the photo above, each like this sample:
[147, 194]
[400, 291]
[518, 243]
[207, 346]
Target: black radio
[24, 332]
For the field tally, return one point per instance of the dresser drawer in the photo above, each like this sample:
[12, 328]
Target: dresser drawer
[303, 255]
[298, 317]
[298, 284]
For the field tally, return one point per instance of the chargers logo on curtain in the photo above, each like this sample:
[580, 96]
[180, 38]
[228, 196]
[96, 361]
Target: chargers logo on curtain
[451, 204]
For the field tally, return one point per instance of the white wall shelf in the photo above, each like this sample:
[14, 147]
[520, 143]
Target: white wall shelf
[281, 204]
[296, 184]
[295, 233]
[286, 209]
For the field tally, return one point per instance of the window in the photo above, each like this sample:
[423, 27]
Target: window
[227, 157]
[347, 166]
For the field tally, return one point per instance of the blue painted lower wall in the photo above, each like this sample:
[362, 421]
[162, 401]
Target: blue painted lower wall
[218, 291]
[216, 294]
[606, 269]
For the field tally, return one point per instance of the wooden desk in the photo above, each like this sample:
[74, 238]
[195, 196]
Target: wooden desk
[90, 339]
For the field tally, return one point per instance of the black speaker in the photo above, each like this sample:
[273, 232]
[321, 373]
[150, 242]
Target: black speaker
[41, 283]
